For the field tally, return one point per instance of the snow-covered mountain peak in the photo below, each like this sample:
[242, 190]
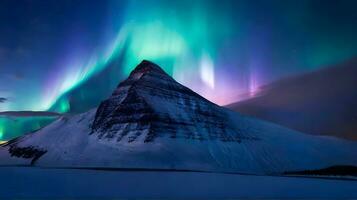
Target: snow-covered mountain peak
[151, 121]
[150, 104]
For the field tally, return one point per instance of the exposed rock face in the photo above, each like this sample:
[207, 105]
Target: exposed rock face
[151, 104]
[27, 153]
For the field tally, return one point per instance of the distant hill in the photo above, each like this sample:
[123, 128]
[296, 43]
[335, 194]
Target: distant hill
[321, 102]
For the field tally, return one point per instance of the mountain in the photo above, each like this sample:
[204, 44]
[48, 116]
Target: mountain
[153, 122]
[322, 102]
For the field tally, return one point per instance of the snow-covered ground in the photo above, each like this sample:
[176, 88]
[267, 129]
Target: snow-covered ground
[22, 182]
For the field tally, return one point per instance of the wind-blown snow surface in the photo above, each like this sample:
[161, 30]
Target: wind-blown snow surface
[153, 122]
[30, 182]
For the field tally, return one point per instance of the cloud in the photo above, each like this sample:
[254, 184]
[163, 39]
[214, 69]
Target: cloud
[3, 100]
[29, 114]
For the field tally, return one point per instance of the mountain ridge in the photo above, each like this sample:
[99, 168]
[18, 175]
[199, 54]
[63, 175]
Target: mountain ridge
[321, 102]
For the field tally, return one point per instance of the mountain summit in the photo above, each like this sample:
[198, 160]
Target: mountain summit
[151, 104]
[153, 122]
[147, 67]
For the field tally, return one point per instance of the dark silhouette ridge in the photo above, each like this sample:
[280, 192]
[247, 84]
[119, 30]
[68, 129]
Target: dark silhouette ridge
[322, 102]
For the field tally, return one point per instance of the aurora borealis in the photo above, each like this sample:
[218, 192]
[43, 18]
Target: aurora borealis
[223, 50]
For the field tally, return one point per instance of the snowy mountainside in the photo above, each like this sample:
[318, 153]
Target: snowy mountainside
[153, 122]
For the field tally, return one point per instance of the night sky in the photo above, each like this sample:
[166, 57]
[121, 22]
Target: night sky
[220, 49]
